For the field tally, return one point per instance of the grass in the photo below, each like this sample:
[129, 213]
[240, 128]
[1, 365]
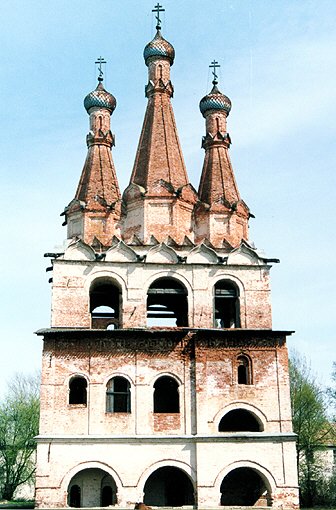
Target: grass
[17, 504]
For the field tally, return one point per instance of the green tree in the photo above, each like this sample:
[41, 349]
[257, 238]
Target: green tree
[311, 424]
[19, 419]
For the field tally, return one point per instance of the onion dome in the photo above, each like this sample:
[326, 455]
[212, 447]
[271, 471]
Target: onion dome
[100, 98]
[215, 100]
[160, 48]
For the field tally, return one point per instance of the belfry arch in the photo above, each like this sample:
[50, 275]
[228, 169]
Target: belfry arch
[226, 305]
[105, 304]
[167, 303]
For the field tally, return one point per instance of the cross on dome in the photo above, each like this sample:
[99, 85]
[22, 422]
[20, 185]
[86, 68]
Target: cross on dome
[158, 8]
[214, 64]
[100, 61]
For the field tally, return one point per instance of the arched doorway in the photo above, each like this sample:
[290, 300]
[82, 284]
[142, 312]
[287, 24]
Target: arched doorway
[245, 487]
[92, 488]
[169, 486]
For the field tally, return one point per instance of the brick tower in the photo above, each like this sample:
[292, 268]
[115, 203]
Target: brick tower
[162, 379]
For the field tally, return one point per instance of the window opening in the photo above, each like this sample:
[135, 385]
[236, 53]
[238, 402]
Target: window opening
[167, 303]
[166, 395]
[78, 391]
[239, 420]
[105, 300]
[226, 305]
[244, 370]
[118, 395]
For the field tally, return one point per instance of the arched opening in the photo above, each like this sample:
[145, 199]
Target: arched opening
[75, 496]
[239, 420]
[245, 487]
[167, 303]
[118, 395]
[244, 372]
[92, 488]
[105, 304]
[169, 486]
[78, 390]
[226, 305]
[106, 496]
[166, 395]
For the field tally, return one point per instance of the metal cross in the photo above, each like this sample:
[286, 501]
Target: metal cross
[158, 8]
[214, 64]
[100, 61]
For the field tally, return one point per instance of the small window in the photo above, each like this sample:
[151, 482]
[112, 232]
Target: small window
[118, 395]
[226, 305]
[244, 373]
[166, 395]
[78, 391]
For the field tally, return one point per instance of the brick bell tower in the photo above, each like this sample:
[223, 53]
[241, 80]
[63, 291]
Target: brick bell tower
[162, 378]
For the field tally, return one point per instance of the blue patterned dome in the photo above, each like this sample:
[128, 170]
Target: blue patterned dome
[100, 98]
[159, 47]
[215, 101]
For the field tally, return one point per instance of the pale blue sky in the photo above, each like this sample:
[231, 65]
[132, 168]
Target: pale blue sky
[278, 66]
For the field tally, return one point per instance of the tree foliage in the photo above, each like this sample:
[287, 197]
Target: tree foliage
[19, 420]
[311, 424]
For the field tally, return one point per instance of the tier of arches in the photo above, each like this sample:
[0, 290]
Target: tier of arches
[166, 399]
[171, 486]
[167, 303]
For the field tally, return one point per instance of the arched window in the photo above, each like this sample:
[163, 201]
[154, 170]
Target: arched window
[167, 303]
[78, 390]
[239, 420]
[166, 395]
[244, 372]
[118, 395]
[105, 303]
[226, 305]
